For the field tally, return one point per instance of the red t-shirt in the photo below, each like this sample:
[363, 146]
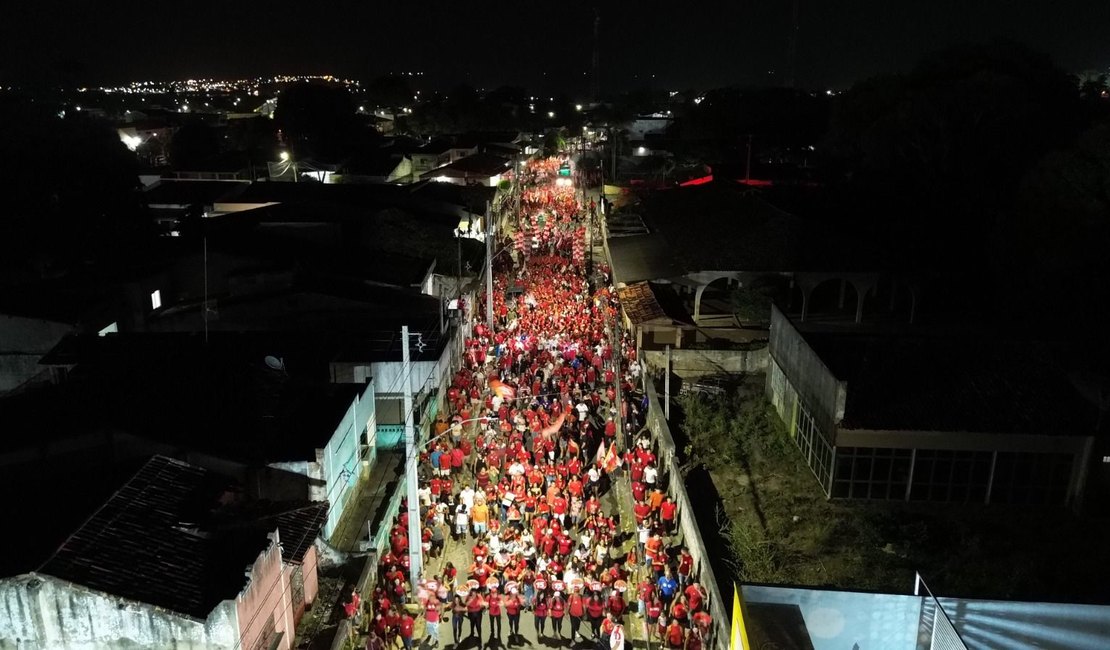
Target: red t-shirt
[406, 626]
[667, 510]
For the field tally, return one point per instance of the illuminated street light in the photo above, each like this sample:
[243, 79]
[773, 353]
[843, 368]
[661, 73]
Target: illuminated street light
[578, 107]
[285, 156]
[551, 114]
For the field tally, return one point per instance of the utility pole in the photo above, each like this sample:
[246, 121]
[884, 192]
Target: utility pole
[489, 266]
[748, 167]
[411, 457]
[667, 386]
[597, 56]
[792, 49]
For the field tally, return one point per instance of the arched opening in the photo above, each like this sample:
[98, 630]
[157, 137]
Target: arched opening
[832, 299]
[715, 300]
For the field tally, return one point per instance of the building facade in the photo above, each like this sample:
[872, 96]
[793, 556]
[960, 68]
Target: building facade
[907, 441]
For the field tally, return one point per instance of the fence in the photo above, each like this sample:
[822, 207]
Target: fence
[688, 524]
[935, 624]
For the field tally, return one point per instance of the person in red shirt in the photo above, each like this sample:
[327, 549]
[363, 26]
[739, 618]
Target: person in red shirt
[595, 609]
[493, 603]
[557, 609]
[353, 605]
[667, 511]
[685, 567]
[576, 606]
[695, 596]
[405, 628]
[652, 617]
[540, 613]
[617, 605]
[675, 636]
[513, 604]
[474, 606]
[432, 615]
[680, 611]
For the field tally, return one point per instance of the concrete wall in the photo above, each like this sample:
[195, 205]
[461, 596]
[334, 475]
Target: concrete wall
[341, 457]
[44, 613]
[691, 534]
[310, 567]
[23, 341]
[265, 606]
[695, 363]
[822, 393]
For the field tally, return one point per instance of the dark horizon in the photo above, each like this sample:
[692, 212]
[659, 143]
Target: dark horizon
[547, 48]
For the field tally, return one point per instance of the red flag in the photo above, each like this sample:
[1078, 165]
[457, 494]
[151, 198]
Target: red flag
[600, 454]
[611, 460]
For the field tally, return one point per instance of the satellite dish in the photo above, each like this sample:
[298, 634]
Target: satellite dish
[274, 363]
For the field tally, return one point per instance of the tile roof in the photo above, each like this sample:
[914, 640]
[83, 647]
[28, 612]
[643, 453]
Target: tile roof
[642, 305]
[149, 543]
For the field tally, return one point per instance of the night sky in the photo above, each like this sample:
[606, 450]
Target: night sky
[542, 45]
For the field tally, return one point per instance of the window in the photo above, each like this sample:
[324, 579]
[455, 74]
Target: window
[955, 476]
[871, 473]
[1032, 478]
[156, 299]
[816, 450]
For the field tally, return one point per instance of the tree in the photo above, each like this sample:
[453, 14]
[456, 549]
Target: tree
[70, 188]
[940, 151]
[317, 120]
[193, 146]
[391, 92]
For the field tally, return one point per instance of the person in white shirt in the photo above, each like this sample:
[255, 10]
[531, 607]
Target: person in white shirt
[462, 520]
[467, 497]
[425, 494]
[650, 475]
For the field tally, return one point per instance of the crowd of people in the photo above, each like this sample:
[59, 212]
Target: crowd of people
[524, 466]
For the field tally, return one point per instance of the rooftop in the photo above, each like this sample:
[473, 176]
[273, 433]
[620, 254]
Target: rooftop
[902, 383]
[172, 537]
[218, 397]
[479, 164]
[188, 192]
[647, 302]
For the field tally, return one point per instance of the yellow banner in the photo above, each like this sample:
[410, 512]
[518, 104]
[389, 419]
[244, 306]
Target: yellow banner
[739, 637]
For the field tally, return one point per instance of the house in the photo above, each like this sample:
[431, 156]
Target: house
[429, 156]
[170, 559]
[477, 169]
[258, 407]
[948, 418]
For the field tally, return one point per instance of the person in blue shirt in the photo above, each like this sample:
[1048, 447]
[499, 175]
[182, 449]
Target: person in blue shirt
[667, 586]
[435, 459]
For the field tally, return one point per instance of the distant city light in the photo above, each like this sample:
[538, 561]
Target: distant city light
[132, 142]
[551, 114]
[578, 107]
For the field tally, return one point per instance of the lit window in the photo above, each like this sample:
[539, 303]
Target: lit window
[156, 299]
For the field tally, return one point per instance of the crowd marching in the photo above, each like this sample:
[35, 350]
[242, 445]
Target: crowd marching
[524, 465]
